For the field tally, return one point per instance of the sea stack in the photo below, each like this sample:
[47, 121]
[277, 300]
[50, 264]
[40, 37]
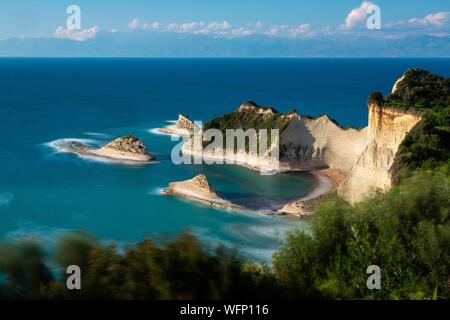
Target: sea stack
[183, 127]
[198, 189]
[125, 149]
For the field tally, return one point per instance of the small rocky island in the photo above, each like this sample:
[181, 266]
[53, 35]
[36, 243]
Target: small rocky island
[198, 189]
[124, 149]
[183, 127]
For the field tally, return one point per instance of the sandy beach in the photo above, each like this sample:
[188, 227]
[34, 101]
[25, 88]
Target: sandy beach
[327, 181]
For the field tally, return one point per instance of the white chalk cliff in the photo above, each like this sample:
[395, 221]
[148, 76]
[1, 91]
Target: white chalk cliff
[387, 129]
[364, 156]
[309, 144]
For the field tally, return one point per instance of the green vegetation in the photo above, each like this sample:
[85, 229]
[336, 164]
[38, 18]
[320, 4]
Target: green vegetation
[420, 90]
[428, 144]
[249, 118]
[180, 270]
[405, 231]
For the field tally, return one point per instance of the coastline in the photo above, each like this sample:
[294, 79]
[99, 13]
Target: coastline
[174, 130]
[327, 181]
[240, 159]
[192, 196]
[199, 190]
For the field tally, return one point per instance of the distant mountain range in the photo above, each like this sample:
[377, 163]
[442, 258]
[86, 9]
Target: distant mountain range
[164, 44]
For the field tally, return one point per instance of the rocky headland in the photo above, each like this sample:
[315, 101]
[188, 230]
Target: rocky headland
[199, 190]
[358, 161]
[123, 149]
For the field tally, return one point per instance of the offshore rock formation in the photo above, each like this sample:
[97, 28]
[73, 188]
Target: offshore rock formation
[127, 144]
[123, 149]
[183, 127]
[198, 189]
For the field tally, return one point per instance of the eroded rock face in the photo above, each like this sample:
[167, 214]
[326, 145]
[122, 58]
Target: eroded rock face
[387, 129]
[309, 144]
[250, 105]
[198, 189]
[128, 144]
[185, 123]
[365, 156]
[200, 181]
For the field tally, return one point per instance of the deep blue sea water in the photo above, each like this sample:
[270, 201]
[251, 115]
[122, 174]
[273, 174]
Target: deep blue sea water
[44, 193]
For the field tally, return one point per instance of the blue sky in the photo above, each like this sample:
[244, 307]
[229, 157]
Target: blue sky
[31, 18]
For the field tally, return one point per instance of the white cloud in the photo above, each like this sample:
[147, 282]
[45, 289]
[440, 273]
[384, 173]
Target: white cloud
[77, 35]
[155, 25]
[224, 25]
[172, 26]
[285, 30]
[435, 19]
[239, 32]
[191, 26]
[356, 16]
[199, 27]
[224, 28]
[300, 30]
[276, 30]
[431, 21]
[134, 24]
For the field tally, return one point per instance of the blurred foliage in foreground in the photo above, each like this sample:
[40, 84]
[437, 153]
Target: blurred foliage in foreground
[405, 231]
[179, 270]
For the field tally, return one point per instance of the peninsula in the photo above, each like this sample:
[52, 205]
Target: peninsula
[358, 162]
[198, 189]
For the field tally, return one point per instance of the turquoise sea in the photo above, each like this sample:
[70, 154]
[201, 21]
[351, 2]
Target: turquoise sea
[44, 192]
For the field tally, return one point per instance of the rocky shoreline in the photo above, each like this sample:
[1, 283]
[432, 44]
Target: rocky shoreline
[327, 182]
[183, 127]
[199, 190]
